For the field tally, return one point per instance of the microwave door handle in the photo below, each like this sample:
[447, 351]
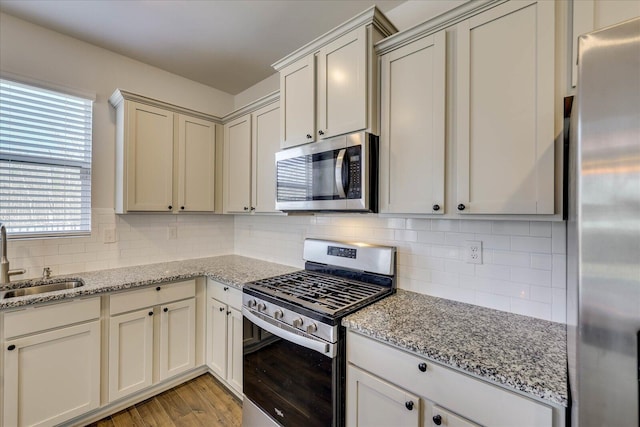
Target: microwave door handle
[338, 173]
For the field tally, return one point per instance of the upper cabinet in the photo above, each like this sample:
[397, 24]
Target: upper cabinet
[412, 139]
[165, 157]
[250, 144]
[330, 86]
[505, 110]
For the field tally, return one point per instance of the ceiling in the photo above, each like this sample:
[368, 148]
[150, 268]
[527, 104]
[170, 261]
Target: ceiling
[228, 45]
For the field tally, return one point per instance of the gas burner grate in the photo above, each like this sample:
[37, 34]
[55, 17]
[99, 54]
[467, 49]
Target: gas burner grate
[320, 292]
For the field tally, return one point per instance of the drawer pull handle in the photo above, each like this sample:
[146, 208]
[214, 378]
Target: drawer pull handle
[151, 313]
[11, 347]
[165, 309]
[423, 367]
[437, 420]
[409, 405]
[158, 288]
[226, 288]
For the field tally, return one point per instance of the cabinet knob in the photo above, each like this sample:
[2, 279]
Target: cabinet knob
[228, 313]
[170, 207]
[437, 420]
[246, 208]
[221, 308]
[320, 132]
[409, 405]
[11, 347]
[226, 288]
[252, 208]
[461, 207]
[436, 207]
[165, 309]
[158, 288]
[151, 313]
[181, 207]
[309, 136]
[423, 367]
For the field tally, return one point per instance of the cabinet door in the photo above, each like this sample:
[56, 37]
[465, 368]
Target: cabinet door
[373, 402]
[297, 103]
[342, 85]
[237, 165]
[413, 123]
[448, 419]
[196, 164]
[52, 377]
[177, 338]
[130, 353]
[505, 90]
[266, 142]
[149, 158]
[234, 349]
[217, 330]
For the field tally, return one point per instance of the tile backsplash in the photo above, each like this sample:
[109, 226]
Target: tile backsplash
[140, 239]
[523, 262]
[523, 269]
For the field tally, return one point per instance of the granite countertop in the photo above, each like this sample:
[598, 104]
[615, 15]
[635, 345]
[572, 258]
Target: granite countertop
[233, 270]
[517, 352]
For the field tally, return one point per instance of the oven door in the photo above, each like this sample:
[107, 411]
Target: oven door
[290, 378]
[328, 175]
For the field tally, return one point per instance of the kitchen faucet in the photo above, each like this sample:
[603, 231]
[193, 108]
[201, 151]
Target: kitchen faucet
[5, 273]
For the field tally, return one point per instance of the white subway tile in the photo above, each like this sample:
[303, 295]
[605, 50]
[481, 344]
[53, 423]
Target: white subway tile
[431, 236]
[559, 237]
[559, 305]
[497, 302]
[559, 271]
[459, 267]
[406, 235]
[541, 294]
[493, 241]
[540, 228]
[477, 226]
[396, 223]
[531, 244]
[541, 261]
[519, 259]
[457, 239]
[444, 278]
[514, 228]
[71, 249]
[531, 308]
[531, 276]
[493, 271]
[418, 224]
[445, 225]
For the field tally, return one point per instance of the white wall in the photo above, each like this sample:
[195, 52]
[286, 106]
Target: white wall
[36, 54]
[523, 268]
[260, 89]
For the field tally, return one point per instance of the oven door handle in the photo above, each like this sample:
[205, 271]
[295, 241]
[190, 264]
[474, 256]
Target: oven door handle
[290, 334]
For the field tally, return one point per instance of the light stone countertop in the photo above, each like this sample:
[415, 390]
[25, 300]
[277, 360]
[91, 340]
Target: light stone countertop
[517, 352]
[233, 270]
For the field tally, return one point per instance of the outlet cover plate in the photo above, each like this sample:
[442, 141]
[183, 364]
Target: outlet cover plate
[473, 252]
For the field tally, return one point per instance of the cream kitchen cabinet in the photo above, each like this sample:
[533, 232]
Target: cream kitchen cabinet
[51, 366]
[505, 110]
[388, 382]
[251, 142]
[135, 315]
[412, 139]
[224, 334]
[329, 87]
[165, 159]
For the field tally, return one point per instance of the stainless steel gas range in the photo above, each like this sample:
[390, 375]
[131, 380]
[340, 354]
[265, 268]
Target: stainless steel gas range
[294, 346]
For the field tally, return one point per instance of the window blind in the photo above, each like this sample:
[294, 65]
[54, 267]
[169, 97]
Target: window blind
[45, 161]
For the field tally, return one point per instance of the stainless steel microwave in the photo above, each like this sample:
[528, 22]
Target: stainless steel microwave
[336, 174]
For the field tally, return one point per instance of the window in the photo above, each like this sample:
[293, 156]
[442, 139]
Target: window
[45, 161]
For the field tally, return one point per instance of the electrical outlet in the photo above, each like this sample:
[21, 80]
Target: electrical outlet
[109, 235]
[172, 233]
[473, 252]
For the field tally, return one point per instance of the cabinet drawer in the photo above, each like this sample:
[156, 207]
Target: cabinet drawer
[40, 318]
[152, 295]
[475, 399]
[225, 293]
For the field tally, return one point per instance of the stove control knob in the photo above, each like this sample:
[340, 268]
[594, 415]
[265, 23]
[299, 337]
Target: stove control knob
[251, 303]
[262, 306]
[278, 314]
[297, 322]
[312, 328]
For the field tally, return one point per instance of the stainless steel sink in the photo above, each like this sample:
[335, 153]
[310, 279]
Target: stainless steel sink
[41, 289]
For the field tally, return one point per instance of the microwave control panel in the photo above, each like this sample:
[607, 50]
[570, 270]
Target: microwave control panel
[355, 173]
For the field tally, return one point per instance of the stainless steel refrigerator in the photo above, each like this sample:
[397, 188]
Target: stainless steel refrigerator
[603, 230]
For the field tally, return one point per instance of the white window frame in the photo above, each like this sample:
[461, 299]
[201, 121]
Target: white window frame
[51, 162]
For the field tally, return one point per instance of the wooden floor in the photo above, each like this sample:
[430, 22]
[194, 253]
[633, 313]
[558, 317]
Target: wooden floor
[202, 401]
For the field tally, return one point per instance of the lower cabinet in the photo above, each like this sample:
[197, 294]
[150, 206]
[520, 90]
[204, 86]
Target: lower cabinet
[166, 311]
[51, 365]
[224, 336]
[387, 386]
